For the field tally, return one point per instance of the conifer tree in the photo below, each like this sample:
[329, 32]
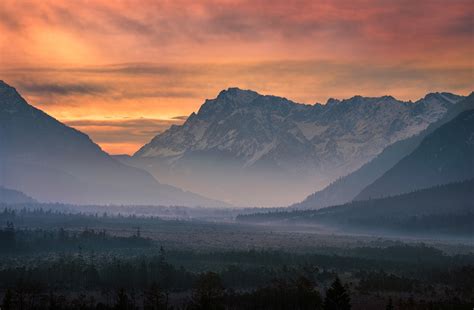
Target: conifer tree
[389, 304]
[337, 297]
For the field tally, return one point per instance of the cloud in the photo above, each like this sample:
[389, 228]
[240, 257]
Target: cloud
[61, 88]
[159, 59]
[143, 87]
[183, 117]
[129, 133]
[163, 93]
[153, 30]
[8, 21]
[157, 125]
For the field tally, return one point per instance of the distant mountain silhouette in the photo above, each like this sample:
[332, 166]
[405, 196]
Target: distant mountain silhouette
[257, 150]
[347, 188]
[13, 196]
[444, 156]
[55, 163]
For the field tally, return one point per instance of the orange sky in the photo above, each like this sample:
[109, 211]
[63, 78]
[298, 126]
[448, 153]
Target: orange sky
[122, 71]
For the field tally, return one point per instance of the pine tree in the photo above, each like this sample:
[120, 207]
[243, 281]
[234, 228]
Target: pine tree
[7, 302]
[337, 297]
[122, 300]
[208, 292]
[154, 298]
[162, 256]
[390, 304]
[307, 295]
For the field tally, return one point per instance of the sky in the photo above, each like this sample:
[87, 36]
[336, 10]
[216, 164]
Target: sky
[124, 70]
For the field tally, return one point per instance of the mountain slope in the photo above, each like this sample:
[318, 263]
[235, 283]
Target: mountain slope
[347, 188]
[264, 150]
[53, 162]
[445, 209]
[13, 196]
[444, 156]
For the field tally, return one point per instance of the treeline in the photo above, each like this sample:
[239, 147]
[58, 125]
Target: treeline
[207, 293]
[446, 209]
[164, 212]
[36, 215]
[398, 258]
[208, 290]
[14, 241]
[395, 257]
[253, 279]
[95, 271]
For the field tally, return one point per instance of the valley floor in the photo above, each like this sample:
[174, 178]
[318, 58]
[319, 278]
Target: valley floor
[111, 261]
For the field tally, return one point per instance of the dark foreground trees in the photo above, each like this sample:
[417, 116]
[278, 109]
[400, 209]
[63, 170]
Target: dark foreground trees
[299, 294]
[208, 292]
[337, 297]
[281, 294]
[85, 268]
[155, 298]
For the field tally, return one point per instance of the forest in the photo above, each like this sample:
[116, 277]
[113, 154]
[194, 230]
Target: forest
[445, 210]
[112, 261]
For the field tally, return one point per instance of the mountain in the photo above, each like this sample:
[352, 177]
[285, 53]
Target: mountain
[13, 196]
[347, 188]
[444, 156]
[257, 150]
[56, 163]
[445, 209]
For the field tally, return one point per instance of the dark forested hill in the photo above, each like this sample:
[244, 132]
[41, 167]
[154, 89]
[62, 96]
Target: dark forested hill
[444, 156]
[440, 209]
[13, 196]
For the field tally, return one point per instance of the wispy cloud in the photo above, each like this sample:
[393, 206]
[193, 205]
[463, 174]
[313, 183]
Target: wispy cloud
[122, 135]
[182, 117]
[61, 88]
[160, 59]
[245, 29]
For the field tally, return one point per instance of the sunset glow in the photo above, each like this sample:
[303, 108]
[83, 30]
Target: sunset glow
[123, 71]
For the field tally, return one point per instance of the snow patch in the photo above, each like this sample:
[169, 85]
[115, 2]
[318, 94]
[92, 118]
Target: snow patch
[310, 130]
[164, 152]
[257, 155]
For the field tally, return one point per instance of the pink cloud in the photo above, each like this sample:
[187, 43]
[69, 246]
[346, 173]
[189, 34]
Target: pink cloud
[170, 55]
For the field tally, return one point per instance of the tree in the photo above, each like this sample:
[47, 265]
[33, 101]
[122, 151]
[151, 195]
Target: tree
[389, 304]
[7, 303]
[208, 292]
[154, 298]
[122, 300]
[162, 256]
[307, 296]
[337, 297]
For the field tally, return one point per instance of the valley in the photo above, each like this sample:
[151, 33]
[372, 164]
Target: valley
[82, 229]
[236, 155]
[100, 257]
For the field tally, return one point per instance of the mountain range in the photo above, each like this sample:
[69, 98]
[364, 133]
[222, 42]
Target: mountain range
[247, 149]
[52, 162]
[429, 189]
[250, 149]
[348, 187]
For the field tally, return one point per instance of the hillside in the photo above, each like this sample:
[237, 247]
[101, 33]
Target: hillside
[444, 156]
[12, 196]
[55, 163]
[446, 209]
